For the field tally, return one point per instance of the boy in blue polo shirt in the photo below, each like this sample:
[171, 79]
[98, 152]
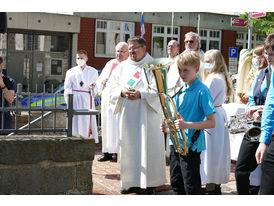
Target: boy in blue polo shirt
[196, 109]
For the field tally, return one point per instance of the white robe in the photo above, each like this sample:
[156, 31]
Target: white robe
[174, 82]
[109, 121]
[215, 160]
[142, 155]
[81, 100]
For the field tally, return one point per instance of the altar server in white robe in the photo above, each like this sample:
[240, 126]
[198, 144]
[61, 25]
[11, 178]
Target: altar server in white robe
[80, 81]
[110, 121]
[133, 94]
[215, 160]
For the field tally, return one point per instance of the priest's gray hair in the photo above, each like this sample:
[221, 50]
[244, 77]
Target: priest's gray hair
[197, 37]
[121, 45]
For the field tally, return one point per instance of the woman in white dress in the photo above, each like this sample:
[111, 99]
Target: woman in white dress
[215, 160]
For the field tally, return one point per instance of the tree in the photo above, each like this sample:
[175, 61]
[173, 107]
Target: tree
[263, 25]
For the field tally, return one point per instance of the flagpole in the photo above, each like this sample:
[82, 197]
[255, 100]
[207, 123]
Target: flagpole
[172, 18]
[142, 25]
[249, 31]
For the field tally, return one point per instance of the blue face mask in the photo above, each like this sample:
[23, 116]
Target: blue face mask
[208, 67]
[255, 62]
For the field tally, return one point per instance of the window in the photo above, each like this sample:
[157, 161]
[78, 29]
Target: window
[210, 39]
[56, 66]
[161, 35]
[242, 40]
[108, 34]
[3, 45]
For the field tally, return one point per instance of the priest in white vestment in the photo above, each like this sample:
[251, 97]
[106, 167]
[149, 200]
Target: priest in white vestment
[80, 81]
[110, 121]
[133, 94]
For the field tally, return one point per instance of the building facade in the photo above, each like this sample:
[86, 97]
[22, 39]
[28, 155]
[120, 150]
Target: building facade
[39, 48]
[100, 31]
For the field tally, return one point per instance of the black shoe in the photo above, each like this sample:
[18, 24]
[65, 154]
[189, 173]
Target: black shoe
[114, 158]
[130, 190]
[104, 157]
[217, 191]
[150, 191]
[254, 190]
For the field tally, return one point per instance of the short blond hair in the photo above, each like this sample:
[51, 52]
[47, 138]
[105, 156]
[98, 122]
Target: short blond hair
[189, 58]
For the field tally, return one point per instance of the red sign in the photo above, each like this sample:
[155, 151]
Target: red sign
[238, 22]
[257, 14]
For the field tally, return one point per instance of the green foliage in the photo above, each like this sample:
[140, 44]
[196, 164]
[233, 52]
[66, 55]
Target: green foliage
[263, 25]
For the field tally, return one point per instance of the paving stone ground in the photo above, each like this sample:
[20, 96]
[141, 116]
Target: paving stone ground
[106, 179]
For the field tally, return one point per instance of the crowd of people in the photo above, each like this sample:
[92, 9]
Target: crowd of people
[133, 122]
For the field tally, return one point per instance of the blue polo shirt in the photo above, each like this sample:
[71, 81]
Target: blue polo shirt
[267, 125]
[194, 104]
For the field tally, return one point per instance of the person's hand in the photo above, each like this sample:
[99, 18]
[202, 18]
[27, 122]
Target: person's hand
[2, 84]
[104, 82]
[250, 111]
[92, 86]
[245, 98]
[255, 112]
[257, 116]
[260, 152]
[131, 93]
[180, 123]
[162, 126]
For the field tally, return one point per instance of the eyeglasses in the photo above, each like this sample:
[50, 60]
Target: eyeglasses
[190, 41]
[134, 48]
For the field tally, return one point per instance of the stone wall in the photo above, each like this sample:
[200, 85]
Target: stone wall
[34, 165]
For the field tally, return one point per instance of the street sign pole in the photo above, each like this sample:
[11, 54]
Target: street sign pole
[249, 31]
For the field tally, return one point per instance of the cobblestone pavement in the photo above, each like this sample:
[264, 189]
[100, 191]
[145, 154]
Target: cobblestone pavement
[106, 179]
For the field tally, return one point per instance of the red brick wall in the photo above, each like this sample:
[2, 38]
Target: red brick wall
[228, 40]
[184, 30]
[86, 41]
[147, 36]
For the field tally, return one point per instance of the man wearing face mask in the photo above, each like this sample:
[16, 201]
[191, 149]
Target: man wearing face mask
[80, 81]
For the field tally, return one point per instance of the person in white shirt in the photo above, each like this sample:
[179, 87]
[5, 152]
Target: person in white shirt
[110, 121]
[134, 95]
[80, 81]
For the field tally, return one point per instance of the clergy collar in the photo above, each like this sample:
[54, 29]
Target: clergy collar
[142, 61]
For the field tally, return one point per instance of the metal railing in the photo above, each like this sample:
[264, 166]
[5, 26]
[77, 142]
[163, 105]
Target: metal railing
[45, 103]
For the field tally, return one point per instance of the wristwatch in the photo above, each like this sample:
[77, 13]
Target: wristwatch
[3, 87]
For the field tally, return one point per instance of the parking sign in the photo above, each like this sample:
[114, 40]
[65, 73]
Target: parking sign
[233, 52]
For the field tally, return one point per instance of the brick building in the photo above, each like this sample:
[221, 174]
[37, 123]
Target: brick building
[100, 31]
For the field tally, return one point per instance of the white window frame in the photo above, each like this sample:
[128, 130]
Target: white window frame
[244, 41]
[165, 35]
[108, 30]
[208, 38]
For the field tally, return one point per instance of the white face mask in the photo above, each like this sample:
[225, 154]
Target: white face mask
[208, 67]
[80, 62]
[255, 62]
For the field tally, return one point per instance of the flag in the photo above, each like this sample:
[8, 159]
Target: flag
[142, 25]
